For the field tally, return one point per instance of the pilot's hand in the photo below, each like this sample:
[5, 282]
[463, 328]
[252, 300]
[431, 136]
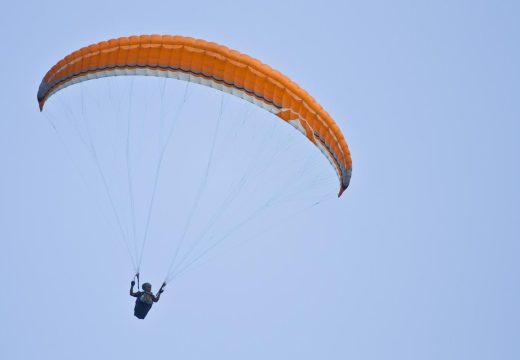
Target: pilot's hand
[132, 283]
[161, 291]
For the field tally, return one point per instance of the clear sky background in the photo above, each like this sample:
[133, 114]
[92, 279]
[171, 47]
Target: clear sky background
[418, 259]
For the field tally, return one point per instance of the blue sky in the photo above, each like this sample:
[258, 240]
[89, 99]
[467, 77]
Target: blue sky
[418, 259]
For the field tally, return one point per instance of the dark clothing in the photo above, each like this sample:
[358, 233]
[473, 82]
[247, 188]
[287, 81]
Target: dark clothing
[143, 303]
[141, 309]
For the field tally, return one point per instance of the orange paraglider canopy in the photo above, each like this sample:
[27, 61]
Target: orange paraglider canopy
[209, 64]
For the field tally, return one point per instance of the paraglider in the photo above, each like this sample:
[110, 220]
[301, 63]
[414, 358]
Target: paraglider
[144, 299]
[212, 65]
